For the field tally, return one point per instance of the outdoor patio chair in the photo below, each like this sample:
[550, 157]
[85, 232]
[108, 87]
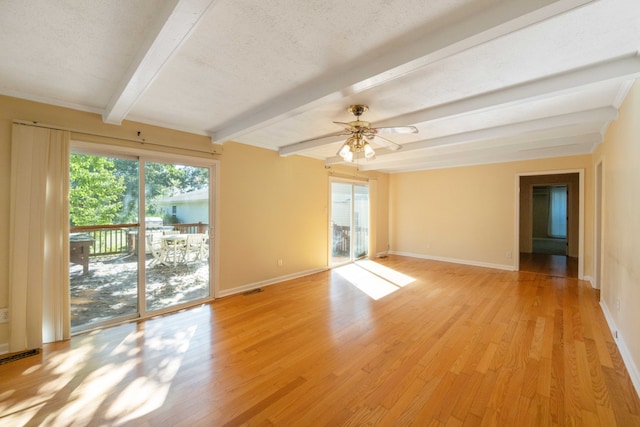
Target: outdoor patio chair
[195, 248]
[157, 249]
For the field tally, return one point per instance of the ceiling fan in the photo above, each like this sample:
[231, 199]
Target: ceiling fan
[361, 132]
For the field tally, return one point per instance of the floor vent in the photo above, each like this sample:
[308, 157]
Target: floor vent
[252, 291]
[17, 356]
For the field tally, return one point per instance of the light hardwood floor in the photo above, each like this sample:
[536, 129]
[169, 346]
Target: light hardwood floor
[553, 265]
[457, 346]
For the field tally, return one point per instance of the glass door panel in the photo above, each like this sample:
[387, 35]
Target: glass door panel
[340, 222]
[360, 221]
[177, 233]
[349, 222]
[103, 216]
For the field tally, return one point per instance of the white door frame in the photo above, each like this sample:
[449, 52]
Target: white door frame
[516, 247]
[141, 155]
[364, 182]
[598, 223]
[214, 214]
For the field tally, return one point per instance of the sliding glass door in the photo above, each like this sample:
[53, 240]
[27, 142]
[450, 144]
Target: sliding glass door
[140, 237]
[349, 227]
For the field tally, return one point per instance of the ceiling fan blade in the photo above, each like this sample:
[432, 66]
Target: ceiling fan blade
[388, 143]
[343, 124]
[397, 129]
[331, 135]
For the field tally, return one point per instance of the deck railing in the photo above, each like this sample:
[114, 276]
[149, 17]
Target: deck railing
[114, 239]
[194, 228]
[342, 239]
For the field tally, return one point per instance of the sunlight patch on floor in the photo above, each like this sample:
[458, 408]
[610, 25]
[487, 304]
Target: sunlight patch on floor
[95, 396]
[86, 399]
[375, 280]
[389, 274]
[146, 394]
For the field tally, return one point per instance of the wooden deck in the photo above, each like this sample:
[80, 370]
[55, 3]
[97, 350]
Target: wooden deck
[444, 345]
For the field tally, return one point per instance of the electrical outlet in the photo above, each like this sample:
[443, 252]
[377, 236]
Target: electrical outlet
[4, 315]
[618, 304]
[509, 254]
[280, 262]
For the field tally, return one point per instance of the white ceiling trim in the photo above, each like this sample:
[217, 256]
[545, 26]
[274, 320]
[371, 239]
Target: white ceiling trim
[578, 145]
[605, 114]
[531, 146]
[622, 93]
[174, 30]
[425, 49]
[575, 150]
[588, 140]
[50, 101]
[301, 146]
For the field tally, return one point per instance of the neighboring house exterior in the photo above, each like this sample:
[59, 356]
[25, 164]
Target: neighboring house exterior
[341, 207]
[188, 208]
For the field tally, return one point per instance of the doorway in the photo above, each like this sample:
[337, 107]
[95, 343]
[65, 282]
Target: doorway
[549, 216]
[550, 223]
[140, 235]
[349, 222]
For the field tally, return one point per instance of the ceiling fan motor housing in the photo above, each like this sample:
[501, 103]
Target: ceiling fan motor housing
[358, 109]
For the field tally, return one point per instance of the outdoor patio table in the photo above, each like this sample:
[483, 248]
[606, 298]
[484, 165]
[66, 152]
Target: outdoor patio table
[79, 246]
[174, 245]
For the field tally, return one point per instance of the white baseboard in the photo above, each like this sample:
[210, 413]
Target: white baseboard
[255, 285]
[590, 280]
[633, 370]
[4, 348]
[456, 261]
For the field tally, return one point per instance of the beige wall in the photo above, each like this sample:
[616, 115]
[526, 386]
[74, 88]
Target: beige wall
[382, 230]
[468, 214]
[275, 208]
[620, 157]
[270, 207]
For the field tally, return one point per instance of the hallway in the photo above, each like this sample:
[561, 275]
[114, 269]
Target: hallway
[552, 265]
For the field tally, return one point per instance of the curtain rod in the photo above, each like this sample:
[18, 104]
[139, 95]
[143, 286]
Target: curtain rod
[142, 141]
[353, 177]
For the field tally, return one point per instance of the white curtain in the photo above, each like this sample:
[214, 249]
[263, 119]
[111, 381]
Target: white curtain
[558, 212]
[39, 237]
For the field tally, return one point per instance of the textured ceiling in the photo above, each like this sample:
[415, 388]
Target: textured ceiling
[483, 80]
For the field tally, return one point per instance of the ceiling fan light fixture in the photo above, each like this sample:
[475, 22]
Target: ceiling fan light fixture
[354, 145]
[348, 157]
[346, 151]
[369, 152]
